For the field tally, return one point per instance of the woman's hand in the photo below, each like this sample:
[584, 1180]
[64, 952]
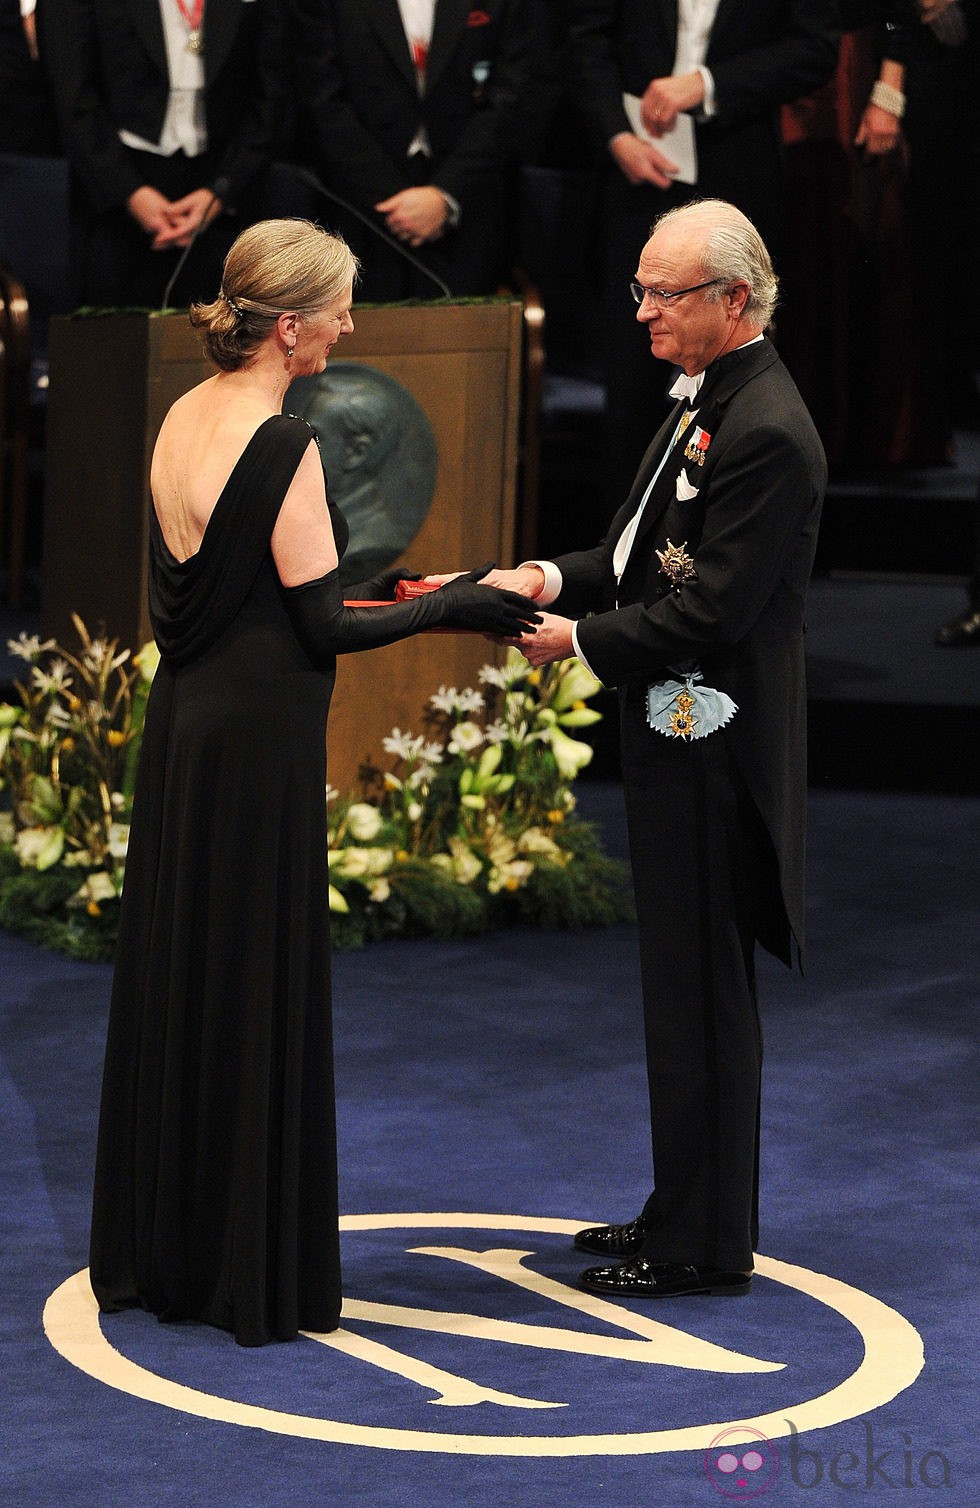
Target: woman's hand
[879, 132]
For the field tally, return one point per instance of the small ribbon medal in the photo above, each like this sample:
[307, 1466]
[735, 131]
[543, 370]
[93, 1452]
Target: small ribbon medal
[697, 445]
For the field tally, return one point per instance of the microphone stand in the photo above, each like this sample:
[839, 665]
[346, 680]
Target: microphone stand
[312, 181]
[218, 192]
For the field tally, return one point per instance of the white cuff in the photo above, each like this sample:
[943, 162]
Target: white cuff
[575, 646]
[552, 580]
[708, 107]
[454, 214]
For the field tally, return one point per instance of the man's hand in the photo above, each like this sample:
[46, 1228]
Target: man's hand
[151, 209]
[551, 640]
[640, 162]
[665, 99]
[171, 222]
[415, 215]
[199, 207]
[527, 580]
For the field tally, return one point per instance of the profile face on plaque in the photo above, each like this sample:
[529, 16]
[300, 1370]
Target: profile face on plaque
[379, 458]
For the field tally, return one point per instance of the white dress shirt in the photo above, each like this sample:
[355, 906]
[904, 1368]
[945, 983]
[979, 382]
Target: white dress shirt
[183, 125]
[684, 387]
[695, 19]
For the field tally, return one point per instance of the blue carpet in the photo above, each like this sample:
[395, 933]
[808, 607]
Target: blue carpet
[500, 1082]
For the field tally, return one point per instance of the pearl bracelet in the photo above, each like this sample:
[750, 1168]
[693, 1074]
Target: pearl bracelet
[888, 98]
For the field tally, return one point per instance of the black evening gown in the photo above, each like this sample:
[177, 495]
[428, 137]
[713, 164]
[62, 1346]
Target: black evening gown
[216, 1184]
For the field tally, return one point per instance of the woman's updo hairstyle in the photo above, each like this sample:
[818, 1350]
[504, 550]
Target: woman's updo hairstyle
[275, 267]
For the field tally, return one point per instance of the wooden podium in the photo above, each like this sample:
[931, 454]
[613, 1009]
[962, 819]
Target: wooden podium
[113, 378]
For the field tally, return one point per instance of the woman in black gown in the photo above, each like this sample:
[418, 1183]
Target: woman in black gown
[216, 1189]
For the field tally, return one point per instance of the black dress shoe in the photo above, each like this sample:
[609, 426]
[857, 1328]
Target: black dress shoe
[614, 1240]
[641, 1279]
[960, 631]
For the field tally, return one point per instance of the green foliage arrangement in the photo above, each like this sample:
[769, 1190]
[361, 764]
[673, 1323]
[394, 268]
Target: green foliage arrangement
[471, 825]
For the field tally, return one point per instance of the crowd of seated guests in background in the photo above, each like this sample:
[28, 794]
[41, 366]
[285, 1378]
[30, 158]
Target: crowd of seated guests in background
[850, 129]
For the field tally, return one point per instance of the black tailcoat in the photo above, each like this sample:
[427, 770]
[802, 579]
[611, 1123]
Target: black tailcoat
[716, 824]
[362, 110]
[752, 532]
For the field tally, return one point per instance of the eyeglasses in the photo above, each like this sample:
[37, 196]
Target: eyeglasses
[661, 299]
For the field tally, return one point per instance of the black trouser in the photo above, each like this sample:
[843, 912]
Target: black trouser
[702, 867]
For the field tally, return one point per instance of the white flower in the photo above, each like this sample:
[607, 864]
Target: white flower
[405, 746]
[360, 863]
[379, 891]
[118, 839]
[415, 810]
[99, 652]
[420, 776]
[536, 840]
[497, 732]
[48, 682]
[337, 902]
[500, 848]
[461, 862]
[77, 858]
[457, 703]
[571, 755]
[509, 876]
[576, 684]
[332, 793]
[28, 646]
[39, 847]
[432, 753]
[515, 668]
[444, 700]
[465, 738]
[363, 821]
[97, 887]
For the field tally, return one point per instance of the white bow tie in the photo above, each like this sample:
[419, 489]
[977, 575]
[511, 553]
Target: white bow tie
[687, 387]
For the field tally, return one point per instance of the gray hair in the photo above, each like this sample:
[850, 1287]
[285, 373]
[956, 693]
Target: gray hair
[274, 266]
[733, 252]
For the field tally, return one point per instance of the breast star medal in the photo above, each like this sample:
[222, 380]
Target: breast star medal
[676, 564]
[697, 445]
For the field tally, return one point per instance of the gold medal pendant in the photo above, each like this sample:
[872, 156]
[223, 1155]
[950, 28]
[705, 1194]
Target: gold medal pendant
[681, 721]
[194, 43]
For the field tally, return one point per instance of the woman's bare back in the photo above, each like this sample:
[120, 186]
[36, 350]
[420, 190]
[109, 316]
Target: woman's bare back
[199, 444]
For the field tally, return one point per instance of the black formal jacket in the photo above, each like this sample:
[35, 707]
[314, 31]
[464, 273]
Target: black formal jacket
[751, 531]
[362, 107]
[107, 63]
[761, 53]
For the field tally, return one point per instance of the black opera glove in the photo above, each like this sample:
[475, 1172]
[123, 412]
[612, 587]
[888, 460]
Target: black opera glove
[325, 627]
[381, 588]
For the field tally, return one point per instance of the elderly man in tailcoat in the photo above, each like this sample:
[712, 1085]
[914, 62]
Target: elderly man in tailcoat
[693, 607]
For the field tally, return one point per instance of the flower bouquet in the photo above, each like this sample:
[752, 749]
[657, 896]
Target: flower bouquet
[466, 826]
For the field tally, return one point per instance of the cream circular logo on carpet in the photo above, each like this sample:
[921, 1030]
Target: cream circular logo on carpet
[603, 1332]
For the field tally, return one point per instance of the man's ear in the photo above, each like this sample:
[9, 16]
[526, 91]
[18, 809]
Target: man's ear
[738, 297]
